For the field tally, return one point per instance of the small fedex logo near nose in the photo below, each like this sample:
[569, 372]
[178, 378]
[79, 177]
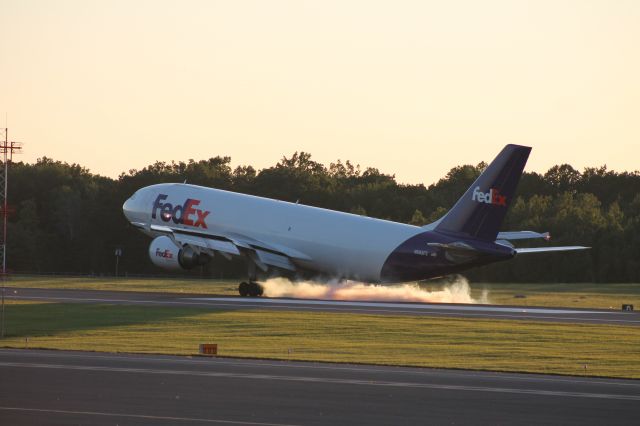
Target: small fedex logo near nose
[186, 213]
[491, 197]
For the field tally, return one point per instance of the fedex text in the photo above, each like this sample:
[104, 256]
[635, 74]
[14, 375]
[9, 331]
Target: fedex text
[491, 197]
[164, 253]
[186, 214]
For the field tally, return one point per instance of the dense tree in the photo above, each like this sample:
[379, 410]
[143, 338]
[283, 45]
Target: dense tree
[70, 220]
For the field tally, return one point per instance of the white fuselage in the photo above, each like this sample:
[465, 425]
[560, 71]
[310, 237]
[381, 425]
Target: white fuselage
[337, 244]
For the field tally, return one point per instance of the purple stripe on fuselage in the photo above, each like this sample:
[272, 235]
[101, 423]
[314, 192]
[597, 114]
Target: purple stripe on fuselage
[433, 254]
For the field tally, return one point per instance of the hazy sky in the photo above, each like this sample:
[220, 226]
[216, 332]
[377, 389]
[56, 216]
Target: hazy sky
[410, 87]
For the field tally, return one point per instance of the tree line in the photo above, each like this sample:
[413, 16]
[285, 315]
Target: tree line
[69, 220]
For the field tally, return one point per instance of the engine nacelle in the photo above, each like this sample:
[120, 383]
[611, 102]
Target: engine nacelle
[166, 254]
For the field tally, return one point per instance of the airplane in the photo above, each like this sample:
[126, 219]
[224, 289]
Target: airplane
[190, 224]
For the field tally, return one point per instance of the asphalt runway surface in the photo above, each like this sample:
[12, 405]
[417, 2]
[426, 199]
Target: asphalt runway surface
[565, 315]
[58, 387]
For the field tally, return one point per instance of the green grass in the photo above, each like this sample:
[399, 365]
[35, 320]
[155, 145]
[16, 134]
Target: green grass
[164, 285]
[604, 296]
[612, 351]
[574, 295]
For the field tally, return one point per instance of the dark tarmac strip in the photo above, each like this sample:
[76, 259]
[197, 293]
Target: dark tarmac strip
[56, 387]
[566, 315]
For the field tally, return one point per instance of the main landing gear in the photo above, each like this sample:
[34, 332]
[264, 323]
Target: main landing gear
[251, 288]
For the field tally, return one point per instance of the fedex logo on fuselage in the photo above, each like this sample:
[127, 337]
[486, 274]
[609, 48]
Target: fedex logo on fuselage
[491, 197]
[186, 214]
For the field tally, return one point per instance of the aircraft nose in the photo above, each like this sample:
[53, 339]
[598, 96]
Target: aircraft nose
[134, 208]
[127, 209]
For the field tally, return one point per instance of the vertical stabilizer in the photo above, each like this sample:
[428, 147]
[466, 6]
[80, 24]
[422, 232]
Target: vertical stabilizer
[481, 210]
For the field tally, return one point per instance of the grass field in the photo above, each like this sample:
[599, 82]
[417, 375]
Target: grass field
[165, 285]
[612, 351]
[575, 295]
[605, 296]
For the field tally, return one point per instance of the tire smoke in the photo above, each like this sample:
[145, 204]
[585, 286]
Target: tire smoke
[454, 290]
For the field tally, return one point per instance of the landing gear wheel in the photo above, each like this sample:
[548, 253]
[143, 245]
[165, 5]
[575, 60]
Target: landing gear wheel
[255, 289]
[244, 289]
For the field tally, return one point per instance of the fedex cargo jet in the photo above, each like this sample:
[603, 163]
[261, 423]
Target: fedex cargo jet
[190, 224]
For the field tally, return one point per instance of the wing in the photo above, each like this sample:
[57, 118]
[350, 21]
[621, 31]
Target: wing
[545, 249]
[261, 253]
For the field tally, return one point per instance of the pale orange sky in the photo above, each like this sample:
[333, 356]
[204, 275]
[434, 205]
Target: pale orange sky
[410, 87]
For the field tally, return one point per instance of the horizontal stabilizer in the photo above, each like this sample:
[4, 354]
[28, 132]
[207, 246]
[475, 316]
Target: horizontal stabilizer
[522, 235]
[546, 249]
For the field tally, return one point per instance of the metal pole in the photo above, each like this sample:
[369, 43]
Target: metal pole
[2, 332]
[4, 215]
[4, 229]
[2, 326]
[7, 155]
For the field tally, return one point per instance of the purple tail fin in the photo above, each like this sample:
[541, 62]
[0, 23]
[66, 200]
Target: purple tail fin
[481, 210]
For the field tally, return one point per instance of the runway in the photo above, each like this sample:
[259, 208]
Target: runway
[584, 316]
[57, 387]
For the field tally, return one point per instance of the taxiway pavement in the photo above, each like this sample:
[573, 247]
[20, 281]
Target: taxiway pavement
[59, 387]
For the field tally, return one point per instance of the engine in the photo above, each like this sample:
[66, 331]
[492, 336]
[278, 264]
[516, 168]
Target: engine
[166, 254]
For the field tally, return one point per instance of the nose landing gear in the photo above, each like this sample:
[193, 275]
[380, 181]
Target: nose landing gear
[252, 289]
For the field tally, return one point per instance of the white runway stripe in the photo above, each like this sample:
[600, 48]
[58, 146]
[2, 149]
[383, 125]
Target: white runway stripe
[251, 363]
[139, 416]
[469, 308]
[452, 311]
[306, 379]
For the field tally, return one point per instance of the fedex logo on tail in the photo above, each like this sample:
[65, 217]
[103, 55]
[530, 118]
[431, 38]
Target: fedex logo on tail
[491, 197]
[186, 213]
